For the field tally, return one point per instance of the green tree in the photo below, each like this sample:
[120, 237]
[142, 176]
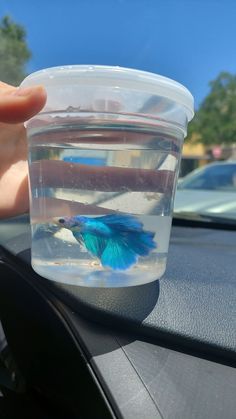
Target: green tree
[215, 121]
[14, 52]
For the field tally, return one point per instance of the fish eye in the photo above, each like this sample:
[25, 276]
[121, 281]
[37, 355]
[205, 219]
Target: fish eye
[61, 220]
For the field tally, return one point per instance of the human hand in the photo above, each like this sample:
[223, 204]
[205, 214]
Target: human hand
[16, 106]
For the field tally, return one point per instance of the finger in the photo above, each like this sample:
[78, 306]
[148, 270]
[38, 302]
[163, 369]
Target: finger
[6, 88]
[18, 105]
[58, 174]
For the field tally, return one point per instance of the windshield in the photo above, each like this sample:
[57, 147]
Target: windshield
[187, 41]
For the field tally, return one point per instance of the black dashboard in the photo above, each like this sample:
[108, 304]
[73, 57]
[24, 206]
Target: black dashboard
[163, 350]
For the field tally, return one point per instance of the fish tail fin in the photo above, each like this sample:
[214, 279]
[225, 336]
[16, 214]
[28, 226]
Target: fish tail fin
[118, 256]
[142, 243]
[121, 252]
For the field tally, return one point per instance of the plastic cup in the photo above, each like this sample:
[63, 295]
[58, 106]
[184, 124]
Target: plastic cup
[104, 157]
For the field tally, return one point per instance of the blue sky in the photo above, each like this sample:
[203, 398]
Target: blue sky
[190, 41]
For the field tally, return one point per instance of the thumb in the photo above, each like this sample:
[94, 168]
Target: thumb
[19, 104]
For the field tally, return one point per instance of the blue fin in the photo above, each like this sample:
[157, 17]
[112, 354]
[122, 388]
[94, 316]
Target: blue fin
[141, 243]
[118, 256]
[122, 252]
[121, 222]
[94, 243]
[78, 237]
[113, 253]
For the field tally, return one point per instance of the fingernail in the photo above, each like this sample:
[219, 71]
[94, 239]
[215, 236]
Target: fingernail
[24, 91]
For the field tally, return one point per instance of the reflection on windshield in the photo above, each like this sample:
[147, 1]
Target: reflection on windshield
[210, 190]
[221, 176]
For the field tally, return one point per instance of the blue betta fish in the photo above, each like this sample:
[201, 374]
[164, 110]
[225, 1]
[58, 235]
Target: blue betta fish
[117, 240]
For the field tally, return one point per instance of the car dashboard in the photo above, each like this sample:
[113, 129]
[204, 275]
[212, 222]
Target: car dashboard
[160, 350]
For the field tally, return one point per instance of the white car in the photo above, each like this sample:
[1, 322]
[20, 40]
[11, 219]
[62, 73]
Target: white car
[208, 190]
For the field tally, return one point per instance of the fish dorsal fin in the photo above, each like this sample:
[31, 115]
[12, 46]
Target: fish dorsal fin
[122, 222]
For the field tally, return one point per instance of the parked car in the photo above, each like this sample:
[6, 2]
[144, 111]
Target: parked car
[208, 190]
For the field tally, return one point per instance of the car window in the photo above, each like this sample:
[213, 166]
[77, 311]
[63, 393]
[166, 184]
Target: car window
[222, 177]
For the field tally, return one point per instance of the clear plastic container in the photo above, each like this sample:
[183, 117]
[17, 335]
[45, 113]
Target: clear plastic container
[104, 158]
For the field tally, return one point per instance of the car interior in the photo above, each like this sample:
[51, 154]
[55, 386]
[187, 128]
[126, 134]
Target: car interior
[165, 349]
[128, 167]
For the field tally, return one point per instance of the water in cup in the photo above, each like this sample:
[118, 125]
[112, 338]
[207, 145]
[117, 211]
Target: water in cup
[101, 199]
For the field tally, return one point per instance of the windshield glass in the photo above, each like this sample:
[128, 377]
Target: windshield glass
[187, 41]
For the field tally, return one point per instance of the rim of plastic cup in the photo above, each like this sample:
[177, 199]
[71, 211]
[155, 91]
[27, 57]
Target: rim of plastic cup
[116, 77]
